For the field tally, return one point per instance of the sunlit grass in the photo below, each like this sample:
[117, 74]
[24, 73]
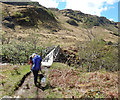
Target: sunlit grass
[12, 78]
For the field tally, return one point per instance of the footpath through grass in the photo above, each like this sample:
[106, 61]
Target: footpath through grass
[63, 81]
[10, 78]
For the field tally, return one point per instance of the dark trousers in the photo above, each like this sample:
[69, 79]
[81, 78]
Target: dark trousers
[35, 73]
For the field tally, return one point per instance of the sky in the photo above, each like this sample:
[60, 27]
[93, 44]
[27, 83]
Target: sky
[106, 8]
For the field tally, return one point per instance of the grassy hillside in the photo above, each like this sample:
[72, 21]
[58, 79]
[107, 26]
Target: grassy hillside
[88, 61]
[89, 20]
[11, 77]
[27, 14]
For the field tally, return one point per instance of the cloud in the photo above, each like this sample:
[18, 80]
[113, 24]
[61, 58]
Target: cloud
[94, 7]
[48, 3]
[111, 19]
[111, 1]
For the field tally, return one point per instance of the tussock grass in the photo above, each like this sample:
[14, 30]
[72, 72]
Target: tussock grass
[70, 82]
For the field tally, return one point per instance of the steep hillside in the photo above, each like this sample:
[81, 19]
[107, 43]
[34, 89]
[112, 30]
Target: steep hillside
[58, 26]
[25, 14]
[77, 18]
[34, 27]
[89, 21]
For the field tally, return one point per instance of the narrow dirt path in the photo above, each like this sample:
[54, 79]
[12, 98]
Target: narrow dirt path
[29, 90]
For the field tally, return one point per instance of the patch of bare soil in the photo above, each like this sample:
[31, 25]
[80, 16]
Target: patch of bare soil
[5, 66]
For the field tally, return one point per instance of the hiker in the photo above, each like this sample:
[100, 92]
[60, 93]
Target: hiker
[35, 66]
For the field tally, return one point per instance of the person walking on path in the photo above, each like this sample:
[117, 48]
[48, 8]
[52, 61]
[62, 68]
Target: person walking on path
[35, 66]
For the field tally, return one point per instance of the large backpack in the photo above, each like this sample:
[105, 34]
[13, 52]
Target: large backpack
[37, 62]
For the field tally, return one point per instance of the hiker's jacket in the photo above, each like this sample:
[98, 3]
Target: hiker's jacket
[36, 62]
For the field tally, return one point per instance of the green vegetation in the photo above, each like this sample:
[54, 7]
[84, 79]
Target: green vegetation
[18, 50]
[18, 14]
[58, 65]
[88, 21]
[50, 13]
[33, 3]
[112, 29]
[12, 77]
[32, 16]
[27, 19]
[17, 53]
[54, 94]
[23, 3]
[4, 14]
[97, 55]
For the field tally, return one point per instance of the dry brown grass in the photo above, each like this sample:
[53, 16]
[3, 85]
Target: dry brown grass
[105, 82]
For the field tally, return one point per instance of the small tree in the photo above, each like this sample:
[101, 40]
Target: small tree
[96, 55]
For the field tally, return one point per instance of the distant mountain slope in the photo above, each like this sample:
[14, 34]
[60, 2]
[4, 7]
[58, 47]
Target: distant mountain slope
[52, 26]
[89, 21]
